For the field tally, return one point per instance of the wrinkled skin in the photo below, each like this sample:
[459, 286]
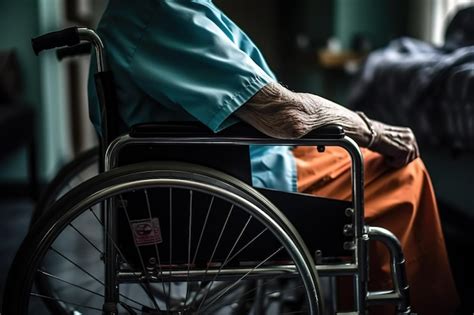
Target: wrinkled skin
[397, 144]
[281, 113]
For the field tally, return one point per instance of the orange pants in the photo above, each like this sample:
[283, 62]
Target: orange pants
[400, 200]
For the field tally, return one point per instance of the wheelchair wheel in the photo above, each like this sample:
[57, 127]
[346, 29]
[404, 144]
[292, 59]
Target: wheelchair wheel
[177, 239]
[83, 167]
[77, 171]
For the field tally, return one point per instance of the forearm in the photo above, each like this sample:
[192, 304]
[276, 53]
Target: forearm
[281, 113]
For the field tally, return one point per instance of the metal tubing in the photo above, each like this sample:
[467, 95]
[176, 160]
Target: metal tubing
[91, 36]
[397, 259]
[124, 140]
[110, 235]
[110, 259]
[284, 271]
[381, 297]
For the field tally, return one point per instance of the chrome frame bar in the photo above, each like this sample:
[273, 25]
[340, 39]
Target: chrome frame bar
[400, 293]
[111, 290]
[288, 271]
[111, 283]
[91, 36]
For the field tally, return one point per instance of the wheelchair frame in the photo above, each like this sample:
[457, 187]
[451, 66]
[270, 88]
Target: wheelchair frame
[112, 144]
[362, 233]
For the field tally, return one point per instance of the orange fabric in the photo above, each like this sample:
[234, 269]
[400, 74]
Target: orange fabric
[400, 200]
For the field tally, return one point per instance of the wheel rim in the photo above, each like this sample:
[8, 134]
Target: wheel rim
[203, 299]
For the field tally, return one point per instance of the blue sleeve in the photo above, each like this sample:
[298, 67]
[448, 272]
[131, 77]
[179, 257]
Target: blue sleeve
[186, 55]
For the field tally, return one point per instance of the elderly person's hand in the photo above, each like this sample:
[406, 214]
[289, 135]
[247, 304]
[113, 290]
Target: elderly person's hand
[397, 144]
[281, 113]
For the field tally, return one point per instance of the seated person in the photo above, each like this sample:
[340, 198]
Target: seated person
[186, 60]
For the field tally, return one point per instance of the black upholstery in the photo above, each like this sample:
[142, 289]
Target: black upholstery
[319, 221]
[231, 159]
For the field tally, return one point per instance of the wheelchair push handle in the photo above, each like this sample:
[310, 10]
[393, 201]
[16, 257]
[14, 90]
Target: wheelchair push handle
[73, 51]
[71, 37]
[66, 37]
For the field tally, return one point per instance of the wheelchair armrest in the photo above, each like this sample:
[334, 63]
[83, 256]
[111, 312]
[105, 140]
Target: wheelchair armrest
[240, 130]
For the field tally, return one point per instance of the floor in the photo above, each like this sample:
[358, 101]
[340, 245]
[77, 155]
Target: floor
[14, 221]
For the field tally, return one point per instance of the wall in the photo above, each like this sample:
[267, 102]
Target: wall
[55, 131]
[19, 22]
[259, 19]
[277, 26]
[379, 20]
[43, 81]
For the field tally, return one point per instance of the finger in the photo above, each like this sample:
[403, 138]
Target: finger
[395, 153]
[412, 146]
[398, 160]
[411, 156]
[401, 144]
[390, 146]
[407, 136]
[396, 128]
[409, 142]
[395, 162]
[417, 150]
[406, 152]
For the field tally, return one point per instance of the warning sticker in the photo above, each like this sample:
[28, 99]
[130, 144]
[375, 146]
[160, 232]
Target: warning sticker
[146, 232]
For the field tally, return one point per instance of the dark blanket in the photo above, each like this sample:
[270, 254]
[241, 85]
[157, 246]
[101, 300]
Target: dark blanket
[415, 84]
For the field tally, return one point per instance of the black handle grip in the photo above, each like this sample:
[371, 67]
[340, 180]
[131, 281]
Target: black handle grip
[76, 50]
[66, 37]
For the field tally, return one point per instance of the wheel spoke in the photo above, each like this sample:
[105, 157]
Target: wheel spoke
[215, 247]
[77, 266]
[267, 293]
[203, 229]
[226, 259]
[145, 273]
[86, 239]
[122, 256]
[248, 243]
[49, 275]
[189, 243]
[65, 302]
[240, 279]
[157, 252]
[168, 302]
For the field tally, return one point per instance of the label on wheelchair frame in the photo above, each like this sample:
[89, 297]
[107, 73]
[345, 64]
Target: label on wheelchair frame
[146, 232]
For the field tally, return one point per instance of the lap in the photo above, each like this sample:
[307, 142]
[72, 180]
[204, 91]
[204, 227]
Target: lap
[328, 174]
[401, 200]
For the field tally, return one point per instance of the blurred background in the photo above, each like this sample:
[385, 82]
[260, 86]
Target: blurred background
[407, 62]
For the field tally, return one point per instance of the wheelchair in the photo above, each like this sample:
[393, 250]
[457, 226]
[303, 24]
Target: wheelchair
[172, 225]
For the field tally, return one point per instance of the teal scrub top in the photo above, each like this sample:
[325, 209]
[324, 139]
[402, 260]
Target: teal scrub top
[184, 60]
